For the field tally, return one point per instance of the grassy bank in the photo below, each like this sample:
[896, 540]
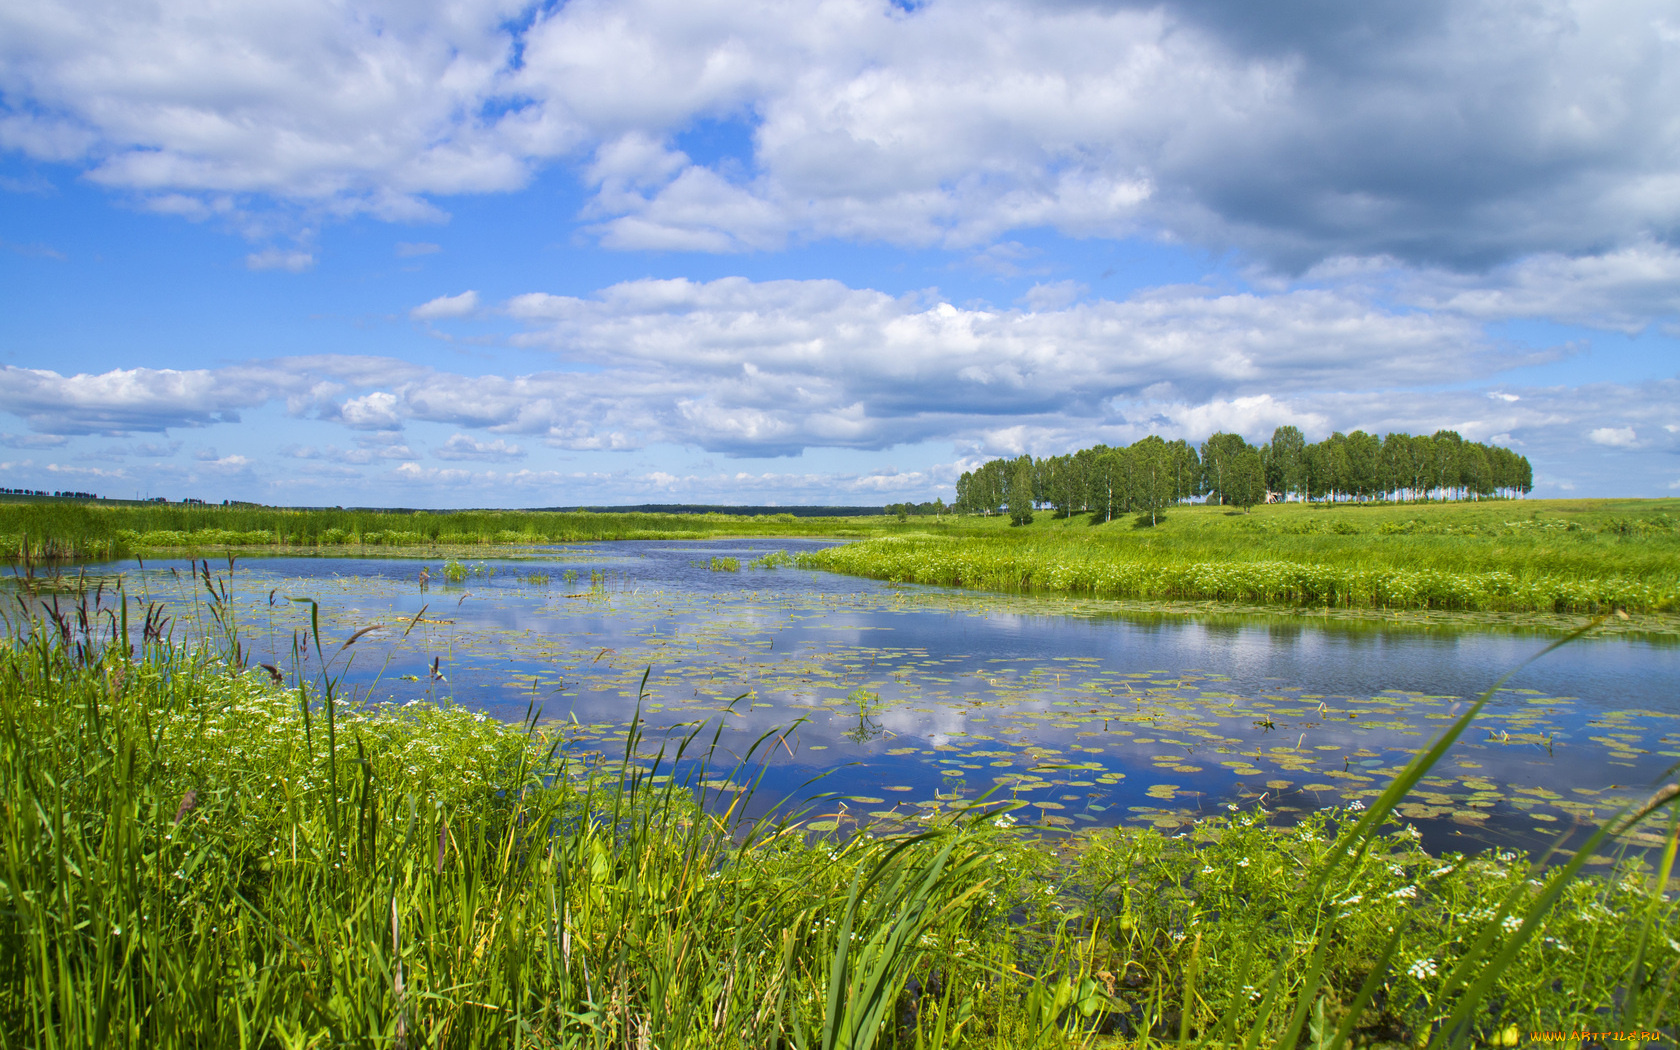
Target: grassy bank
[1574, 556]
[199, 855]
[1570, 556]
[58, 529]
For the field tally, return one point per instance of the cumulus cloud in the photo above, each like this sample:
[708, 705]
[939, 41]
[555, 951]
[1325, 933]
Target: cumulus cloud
[446, 306]
[156, 399]
[368, 451]
[1615, 437]
[1462, 134]
[375, 411]
[124, 399]
[1623, 290]
[775, 367]
[735, 365]
[460, 446]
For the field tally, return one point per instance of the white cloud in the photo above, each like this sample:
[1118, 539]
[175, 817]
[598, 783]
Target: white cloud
[375, 411]
[446, 306]
[767, 368]
[460, 446]
[32, 440]
[1053, 295]
[1615, 437]
[124, 399]
[368, 452]
[1464, 133]
[1624, 290]
[295, 261]
[735, 365]
[155, 399]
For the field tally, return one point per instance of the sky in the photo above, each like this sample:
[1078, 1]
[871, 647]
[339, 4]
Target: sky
[495, 254]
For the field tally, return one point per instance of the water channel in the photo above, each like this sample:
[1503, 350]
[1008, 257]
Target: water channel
[911, 699]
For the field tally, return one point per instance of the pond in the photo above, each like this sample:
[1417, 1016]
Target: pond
[907, 700]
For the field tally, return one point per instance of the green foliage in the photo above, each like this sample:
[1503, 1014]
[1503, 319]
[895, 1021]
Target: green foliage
[773, 560]
[195, 855]
[1151, 473]
[53, 529]
[726, 564]
[1441, 557]
[1019, 491]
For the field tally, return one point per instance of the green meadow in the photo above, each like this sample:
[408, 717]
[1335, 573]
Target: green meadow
[62, 529]
[1576, 556]
[1550, 556]
[197, 854]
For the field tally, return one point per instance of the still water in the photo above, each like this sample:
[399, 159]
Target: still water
[911, 699]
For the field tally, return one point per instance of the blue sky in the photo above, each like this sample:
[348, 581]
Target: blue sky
[493, 254]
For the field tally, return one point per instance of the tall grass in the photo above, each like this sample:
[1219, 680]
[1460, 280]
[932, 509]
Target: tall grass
[57, 529]
[195, 854]
[1251, 573]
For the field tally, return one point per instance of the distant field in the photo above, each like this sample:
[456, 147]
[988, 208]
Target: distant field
[59, 529]
[1498, 555]
[1530, 555]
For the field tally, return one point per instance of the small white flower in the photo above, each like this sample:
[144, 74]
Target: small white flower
[1356, 804]
[1405, 892]
[1423, 969]
[1242, 863]
[1511, 922]
[1207, 871]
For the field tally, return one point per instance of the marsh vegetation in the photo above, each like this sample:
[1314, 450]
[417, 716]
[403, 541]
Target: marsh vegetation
[201, 852]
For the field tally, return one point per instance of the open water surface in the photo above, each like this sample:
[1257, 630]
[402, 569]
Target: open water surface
[911, 699]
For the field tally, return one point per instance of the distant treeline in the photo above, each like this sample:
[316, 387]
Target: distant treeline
[41, 492]
[1152, 474]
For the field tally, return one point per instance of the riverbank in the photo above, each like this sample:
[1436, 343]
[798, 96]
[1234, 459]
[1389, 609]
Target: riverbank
[1503, 558]
[1544, 564]
[201, 854]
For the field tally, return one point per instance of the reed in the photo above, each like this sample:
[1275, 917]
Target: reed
[194, 854]
[1299, 559]
[56, 529]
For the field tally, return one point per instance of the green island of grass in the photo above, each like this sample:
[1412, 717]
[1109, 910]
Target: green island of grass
[1540, 563]
[1495, 557]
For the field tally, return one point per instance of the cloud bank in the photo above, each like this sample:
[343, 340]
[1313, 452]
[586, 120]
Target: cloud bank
[1460, 135]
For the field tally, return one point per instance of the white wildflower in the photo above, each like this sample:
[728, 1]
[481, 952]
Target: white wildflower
[1423, 969]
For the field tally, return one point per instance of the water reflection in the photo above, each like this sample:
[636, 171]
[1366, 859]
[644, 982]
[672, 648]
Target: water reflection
[916, 698]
